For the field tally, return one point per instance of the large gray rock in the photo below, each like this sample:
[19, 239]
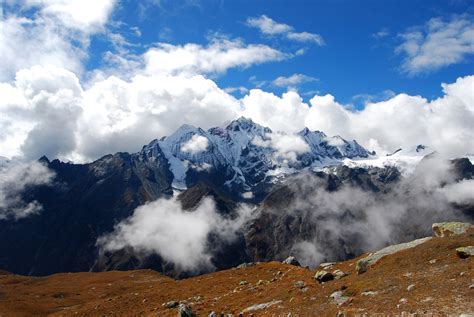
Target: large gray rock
[185, 311]
[323, 276]
[363, 264]
[465, 252]
[292, 261]
[447, 229]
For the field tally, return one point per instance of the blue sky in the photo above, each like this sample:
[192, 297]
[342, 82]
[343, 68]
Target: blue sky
[353, 63]
[83, 78]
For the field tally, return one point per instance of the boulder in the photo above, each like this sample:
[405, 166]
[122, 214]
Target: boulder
[185, 311]
[447, 229]
[363, 264]
[465, 252]
[292, 261]
[323, 276]
[339, 299]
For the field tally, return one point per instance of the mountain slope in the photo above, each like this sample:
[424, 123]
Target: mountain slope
[426, 279]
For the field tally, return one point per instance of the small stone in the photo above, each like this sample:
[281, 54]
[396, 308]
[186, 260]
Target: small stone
[411, 287]
[299, 284]
[338, 274]
[185, 311]
[433, 261]
[261, 282]
[403, 301]
[327, 265]
[462, 273]
[212, 314]
[369, 293]
[244, 265]
[323, 276]
[292, 261]
[305, 289]
[243, 282]
[171, 304]
[471, 286]
[465, 252]
[339, 299]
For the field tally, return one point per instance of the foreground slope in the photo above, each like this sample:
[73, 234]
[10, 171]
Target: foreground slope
[428, 278]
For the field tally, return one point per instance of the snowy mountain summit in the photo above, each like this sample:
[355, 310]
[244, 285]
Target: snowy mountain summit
[244, 155]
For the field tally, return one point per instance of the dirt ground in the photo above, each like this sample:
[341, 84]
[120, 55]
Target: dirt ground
[443, 285]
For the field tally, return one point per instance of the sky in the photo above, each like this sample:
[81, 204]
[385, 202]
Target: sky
[81, 79]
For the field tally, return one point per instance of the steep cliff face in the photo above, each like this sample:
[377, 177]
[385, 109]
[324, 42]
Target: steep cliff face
[84, 202]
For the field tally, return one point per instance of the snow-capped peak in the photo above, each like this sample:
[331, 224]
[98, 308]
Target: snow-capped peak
[242, 153]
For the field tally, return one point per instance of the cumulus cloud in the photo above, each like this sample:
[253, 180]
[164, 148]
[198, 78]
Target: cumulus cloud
[177, 235]
[196, 144]
[445, 123]
[269, 26]
[56, 34]
[220, 55]
[286, 113]
[15, 179]
[293, 80]
[40, 112]
[86, 15]
[437, 44]
[47, 111]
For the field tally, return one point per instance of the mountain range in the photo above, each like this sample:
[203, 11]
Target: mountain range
[288, 183]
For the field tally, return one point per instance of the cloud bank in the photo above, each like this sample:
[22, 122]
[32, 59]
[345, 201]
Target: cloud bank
[177, 235]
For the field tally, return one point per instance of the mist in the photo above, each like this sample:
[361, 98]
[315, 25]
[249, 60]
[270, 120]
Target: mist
[350, 220]
[178, 236]
[15, 179]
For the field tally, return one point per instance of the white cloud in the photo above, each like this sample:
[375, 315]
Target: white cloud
[287, 146]
[287, 113]
[220, 55]
[384, 32]
[196, 144]
[306, 37]
[39, 113]
[56, 34]
[445, 123]
[123, 115]
[459, 193]
[177, 235]
[293, 80]
[87, 16]
[437, 44]
[269, 26]
[15, 179]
